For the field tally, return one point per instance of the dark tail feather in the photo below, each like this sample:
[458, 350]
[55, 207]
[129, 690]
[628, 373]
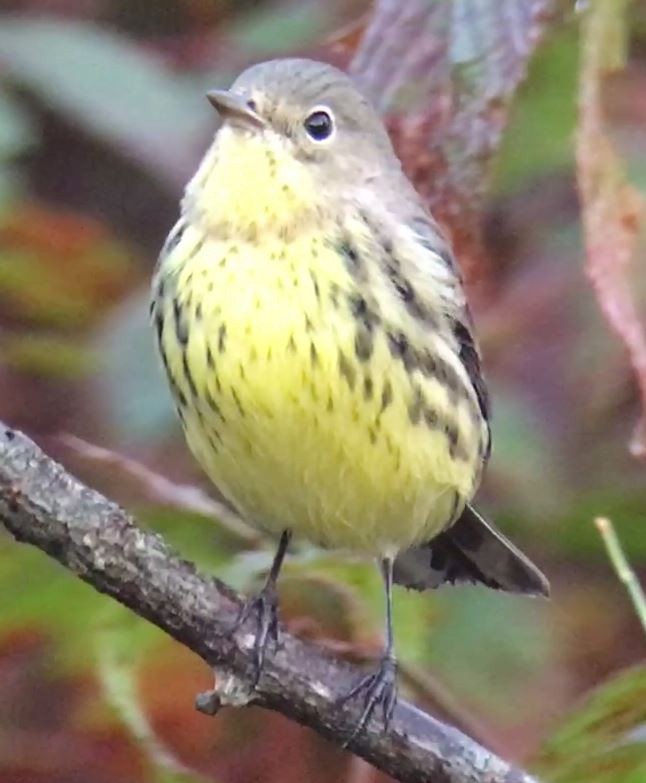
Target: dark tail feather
[471, 550]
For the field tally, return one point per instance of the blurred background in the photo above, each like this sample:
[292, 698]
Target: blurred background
[102, 121]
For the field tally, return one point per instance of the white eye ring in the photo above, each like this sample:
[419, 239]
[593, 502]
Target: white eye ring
[319, 124]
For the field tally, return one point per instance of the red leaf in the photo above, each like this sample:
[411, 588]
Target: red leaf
[455, 66]
[613, 209]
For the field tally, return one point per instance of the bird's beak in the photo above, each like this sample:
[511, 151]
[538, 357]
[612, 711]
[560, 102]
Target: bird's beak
[236, 109]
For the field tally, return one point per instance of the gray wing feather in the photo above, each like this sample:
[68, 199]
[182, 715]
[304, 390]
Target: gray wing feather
[470, 551]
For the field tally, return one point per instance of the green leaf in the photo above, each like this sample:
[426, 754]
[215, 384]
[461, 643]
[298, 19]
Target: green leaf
[17, 133]
[135, 392]
[51, 599]
[47, 355]
[265, 33]
[604, 741]
[512, 639]
[120, 648]
[413, 612]
[111, 88]
[574, 533]
[521, 452]
[538, 138]
[213, 548]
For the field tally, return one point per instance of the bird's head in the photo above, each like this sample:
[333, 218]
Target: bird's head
[297, 138]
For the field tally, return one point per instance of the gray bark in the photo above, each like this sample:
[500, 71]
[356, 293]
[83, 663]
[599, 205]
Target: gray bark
[43, 505]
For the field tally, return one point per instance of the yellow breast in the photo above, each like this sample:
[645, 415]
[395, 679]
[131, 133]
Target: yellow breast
[308, 411]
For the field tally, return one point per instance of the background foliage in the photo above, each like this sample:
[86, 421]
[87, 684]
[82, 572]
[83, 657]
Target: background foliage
[102, 120]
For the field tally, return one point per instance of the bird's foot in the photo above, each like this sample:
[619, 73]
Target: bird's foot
[264, 607]
[378, 690]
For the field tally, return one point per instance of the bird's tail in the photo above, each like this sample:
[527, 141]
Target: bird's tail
[471, 550]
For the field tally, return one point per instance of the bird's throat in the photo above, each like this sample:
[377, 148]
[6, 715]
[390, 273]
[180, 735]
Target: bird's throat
[250, 184]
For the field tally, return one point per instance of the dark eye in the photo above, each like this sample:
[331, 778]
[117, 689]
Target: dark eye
[319, 125]
[252, 104]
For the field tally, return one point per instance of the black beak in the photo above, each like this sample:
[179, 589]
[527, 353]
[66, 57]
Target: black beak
[235, 108]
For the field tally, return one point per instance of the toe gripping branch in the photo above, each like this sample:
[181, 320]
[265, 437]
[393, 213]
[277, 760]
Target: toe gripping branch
[264, 607]
[379, 689]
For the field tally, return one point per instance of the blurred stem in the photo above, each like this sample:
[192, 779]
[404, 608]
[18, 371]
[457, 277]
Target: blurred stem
[160, 489]
[116, 674]
[43, 505]
[438, 697]
[622, 567]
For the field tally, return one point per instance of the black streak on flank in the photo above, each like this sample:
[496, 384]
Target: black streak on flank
[314, 357]
[471, 361]
[180, 396]
[174, 238]
[222, 338]
[188, 375]
[418, 310]
[363, 344]
[386, 396]
[400, 349]
[416, 406]
[213, 405]
[446, 376]
[428, 235]
[358, 306]
[368, 388]
[350, 256]
[368, 319]
[406, 293]
[451, 432]
[181, 330]
[401, 284]
[387, 246]
[159, 323]
[426, 362]
[362, 312]
[315, 284]
[215, 440]
[210, 361]
[162, 351]
[347, 370]
[237, 402]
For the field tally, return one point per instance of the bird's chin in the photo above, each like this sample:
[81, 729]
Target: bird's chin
[244, 126]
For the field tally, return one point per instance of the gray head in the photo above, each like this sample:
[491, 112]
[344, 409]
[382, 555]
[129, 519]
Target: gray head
[316, 108]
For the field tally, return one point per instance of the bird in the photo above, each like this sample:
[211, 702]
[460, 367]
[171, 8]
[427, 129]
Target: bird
[313, 325]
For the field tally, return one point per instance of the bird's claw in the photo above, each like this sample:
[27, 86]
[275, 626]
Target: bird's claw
[264, 606]
[379, 689]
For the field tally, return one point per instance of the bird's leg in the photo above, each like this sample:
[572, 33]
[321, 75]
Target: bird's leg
[264, 605]
[380, 688]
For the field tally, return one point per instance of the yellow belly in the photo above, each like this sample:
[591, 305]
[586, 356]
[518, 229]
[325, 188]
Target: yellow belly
[293, 426]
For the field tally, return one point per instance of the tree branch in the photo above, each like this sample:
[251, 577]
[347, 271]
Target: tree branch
[43, 505]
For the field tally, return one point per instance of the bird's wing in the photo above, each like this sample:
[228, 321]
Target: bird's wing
[437, 269]
[471, 551]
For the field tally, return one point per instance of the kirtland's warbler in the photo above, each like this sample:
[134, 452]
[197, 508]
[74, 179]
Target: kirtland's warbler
[319, 347]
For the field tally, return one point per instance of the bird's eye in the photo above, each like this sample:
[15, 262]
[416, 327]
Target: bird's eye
[252, 104]
[319, 125]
